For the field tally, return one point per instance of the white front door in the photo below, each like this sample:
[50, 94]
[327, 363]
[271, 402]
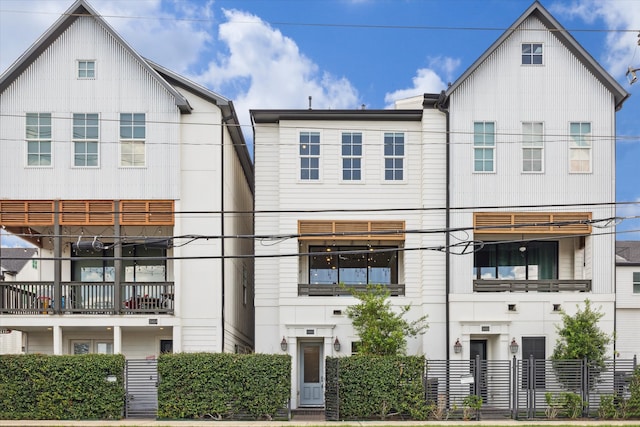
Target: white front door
[311, 375]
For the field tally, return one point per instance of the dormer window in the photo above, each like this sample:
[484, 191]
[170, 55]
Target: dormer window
[531, 53]
[86, 69]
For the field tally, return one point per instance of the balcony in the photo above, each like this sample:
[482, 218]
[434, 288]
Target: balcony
[30, 298]
[313, 290]
[493, 285]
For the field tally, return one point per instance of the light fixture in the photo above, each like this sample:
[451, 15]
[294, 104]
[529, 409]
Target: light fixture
[631, 75]
[283, 344]
[336, 345]
[457, 347]
[513, 347]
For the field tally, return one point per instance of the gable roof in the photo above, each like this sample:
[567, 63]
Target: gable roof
[14, 259]
[628, 252]
[229, 115]
[538, 11]
[78, 9]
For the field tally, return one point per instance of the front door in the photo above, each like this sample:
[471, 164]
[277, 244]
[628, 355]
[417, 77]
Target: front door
[478, 353]
[311, 375]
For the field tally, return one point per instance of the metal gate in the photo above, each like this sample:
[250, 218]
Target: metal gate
[141, 379]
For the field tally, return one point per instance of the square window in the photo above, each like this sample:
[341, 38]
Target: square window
[531, 53]
[86, 69]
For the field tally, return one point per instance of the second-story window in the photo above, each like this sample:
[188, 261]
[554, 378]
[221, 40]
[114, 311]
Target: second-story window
[351, 156]
[38, 136]
[532, 147]
[636, 283]
[86, 69]
[309, 156]
[132, 139]
[394, 156]
[531, 53]
[484, 144]
[580, 147]
[85, 140]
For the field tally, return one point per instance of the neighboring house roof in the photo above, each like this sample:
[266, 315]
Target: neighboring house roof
[78, 9]
[229, 115]
[628, 252]
[563, 36]
[13, 259]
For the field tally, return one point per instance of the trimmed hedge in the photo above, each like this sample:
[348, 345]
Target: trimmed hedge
[41, 387]
[223, 386]
[377, 387]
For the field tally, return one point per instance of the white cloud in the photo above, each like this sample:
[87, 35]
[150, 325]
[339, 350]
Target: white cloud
[264, 69]
[426, 80]
[622, 48]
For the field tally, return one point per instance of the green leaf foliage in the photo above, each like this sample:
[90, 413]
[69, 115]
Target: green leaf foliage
[223, 385]
[61, 387]
[378, 387]
[579, 338]
[382, 331]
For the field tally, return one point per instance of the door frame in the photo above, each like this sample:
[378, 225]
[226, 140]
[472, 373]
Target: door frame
[301, 365]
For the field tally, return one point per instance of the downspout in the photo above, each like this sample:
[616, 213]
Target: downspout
[440, 104]
[222, 258]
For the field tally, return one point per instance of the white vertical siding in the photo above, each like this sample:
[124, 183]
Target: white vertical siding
[121, 85]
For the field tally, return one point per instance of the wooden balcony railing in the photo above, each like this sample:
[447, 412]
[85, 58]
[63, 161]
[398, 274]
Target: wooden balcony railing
[491, 285]
[86, 298]
[312, 290]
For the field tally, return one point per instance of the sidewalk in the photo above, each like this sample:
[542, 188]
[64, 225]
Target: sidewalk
[212, 423]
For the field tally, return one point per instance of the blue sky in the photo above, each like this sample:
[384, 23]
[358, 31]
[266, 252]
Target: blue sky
[345, 53]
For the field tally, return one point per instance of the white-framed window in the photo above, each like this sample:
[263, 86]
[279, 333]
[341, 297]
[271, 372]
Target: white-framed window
[351, 156]
[484, 144]
[309, 156]
[636, 282]
[532, 147]
[532, 54]
[132, 139]
[38, 136]
[85, 139]
[394, 156]
[90, 346]
[580, 147]
[86, 69]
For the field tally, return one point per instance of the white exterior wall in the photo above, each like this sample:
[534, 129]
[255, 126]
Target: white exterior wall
[50, 85]
[279, 310]
[183, 163]
[627, 312]
[557, 93]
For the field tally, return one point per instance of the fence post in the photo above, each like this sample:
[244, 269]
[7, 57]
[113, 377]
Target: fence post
[514, 388]
[531, 389]
[585, 386]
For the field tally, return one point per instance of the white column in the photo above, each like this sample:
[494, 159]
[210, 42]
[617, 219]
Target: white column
[57, 340]
[177, 339]
[117, 340]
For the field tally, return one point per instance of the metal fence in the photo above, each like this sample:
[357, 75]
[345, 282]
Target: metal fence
[509, 388]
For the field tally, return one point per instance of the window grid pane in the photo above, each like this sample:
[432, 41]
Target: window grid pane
[38, 136]
[132, 139]
[532, 53]
[394, 156]
[532, 147]
[484, 146]
[85, 140]
[309, 150]
[86, 69]
[580, 147]
[636, 282]
[351, 156]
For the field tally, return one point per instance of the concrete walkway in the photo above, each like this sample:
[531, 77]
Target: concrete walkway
[211, 423]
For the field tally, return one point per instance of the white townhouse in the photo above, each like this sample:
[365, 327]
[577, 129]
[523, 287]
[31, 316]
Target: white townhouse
[341, 198]
[129, 180]
[627, 298]
[532, 183]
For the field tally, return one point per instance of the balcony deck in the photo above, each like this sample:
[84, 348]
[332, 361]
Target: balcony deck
[491, 285]
[30, 298]
[314, 290]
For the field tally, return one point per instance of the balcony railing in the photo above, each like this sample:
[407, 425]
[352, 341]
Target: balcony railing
[312, 290]
[86, 298]
[554, 285]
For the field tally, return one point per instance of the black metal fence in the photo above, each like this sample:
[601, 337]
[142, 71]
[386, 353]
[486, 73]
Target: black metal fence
[518, 389]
